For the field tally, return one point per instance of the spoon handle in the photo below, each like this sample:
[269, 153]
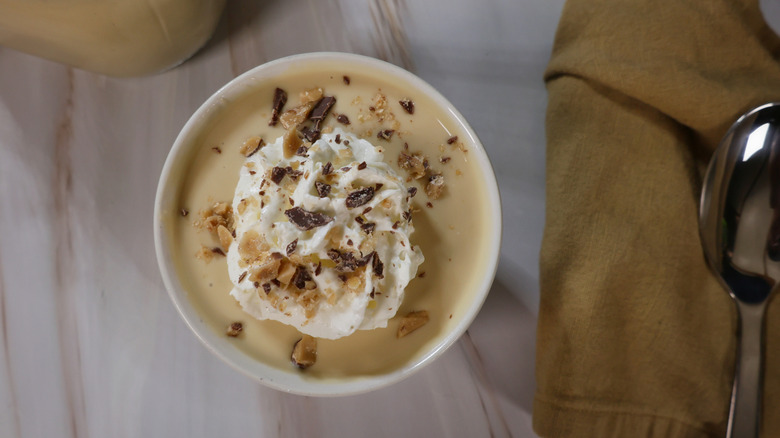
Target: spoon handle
[745, 409]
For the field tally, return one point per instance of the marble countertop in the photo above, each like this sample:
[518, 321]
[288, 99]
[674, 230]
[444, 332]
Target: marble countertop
[92, 346]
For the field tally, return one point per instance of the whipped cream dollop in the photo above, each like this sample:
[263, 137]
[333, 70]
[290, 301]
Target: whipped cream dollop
[322, 236]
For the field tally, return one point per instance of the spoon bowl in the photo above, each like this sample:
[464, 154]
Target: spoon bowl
[739, 221]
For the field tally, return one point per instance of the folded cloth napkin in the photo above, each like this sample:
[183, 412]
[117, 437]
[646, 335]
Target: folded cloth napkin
[636, 338]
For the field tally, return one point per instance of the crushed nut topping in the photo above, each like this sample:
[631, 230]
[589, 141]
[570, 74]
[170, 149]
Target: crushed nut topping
[225, 237]
[251, 145]
[414, 164]
[386, 134]
[411, 322]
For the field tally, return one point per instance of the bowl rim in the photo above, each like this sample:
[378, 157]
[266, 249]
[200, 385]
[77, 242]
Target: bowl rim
[251, 367]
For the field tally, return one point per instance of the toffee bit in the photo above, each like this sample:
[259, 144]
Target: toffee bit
[346, 80]
[302, 151]
[184, 212]
[452, 139]
[328, 168]
[407, 105]
[412, 191]
[318, 269]
[323, 189]
[306, 220]
[386, 134]
[360, 197]
[267, 288]
[280, 99]
[217, 250]
[300, 277]
[372, 109]
[368, 227]
[343, 119]
[411, 322]
[277, 174]
[310, 134]
[242, 277]
[435, 186]
[338, 138]
[216, 149]
[304, 353]
[291, 247]
[362, 165]
[234, 329]
[321, 110]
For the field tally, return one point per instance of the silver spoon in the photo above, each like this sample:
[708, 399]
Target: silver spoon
[739, 221]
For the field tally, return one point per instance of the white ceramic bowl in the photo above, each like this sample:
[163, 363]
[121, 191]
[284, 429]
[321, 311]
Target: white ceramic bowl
[292, 380]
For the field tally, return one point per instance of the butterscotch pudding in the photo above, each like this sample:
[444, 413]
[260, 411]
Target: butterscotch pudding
[335, 207]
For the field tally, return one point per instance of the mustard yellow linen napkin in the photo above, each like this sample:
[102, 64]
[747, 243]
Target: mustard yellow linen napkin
[635, 335]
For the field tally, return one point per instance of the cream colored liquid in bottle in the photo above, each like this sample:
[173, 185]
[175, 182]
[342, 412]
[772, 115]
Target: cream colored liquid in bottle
[112, 37]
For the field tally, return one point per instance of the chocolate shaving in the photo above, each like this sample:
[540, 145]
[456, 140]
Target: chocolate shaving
[280, 98]
[362, 165]
[306, 220]
[412, 191]
[318, 269]
[373, 291]
[184, 212]
[327, 169]
[429, 205]
[300, 277]
[321, 110]
[291, 247]
[252, 172]
[378, 267]
[444, 159]
[334, 255]
[367, 210]
[387, 134]
[395, 225]
[256, 284]
[407, 215]
[310, 134]
[218, 250]
[216, 149]
[343, 119]
[349, 242]
[277, 174]
[276, 282]
[301, 152]
[292, 202]
[360, 220]
[323, 189]
[345, 169]
[363, 261]
[242, 276]
[408, 105]
[378, 186]
[452, 139]
[338, 138]
[346, 80]
[267, 288]
[368, 227]
[360, 197]
[260, 144]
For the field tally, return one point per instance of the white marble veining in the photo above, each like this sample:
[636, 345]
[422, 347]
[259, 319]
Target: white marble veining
[91, 345]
